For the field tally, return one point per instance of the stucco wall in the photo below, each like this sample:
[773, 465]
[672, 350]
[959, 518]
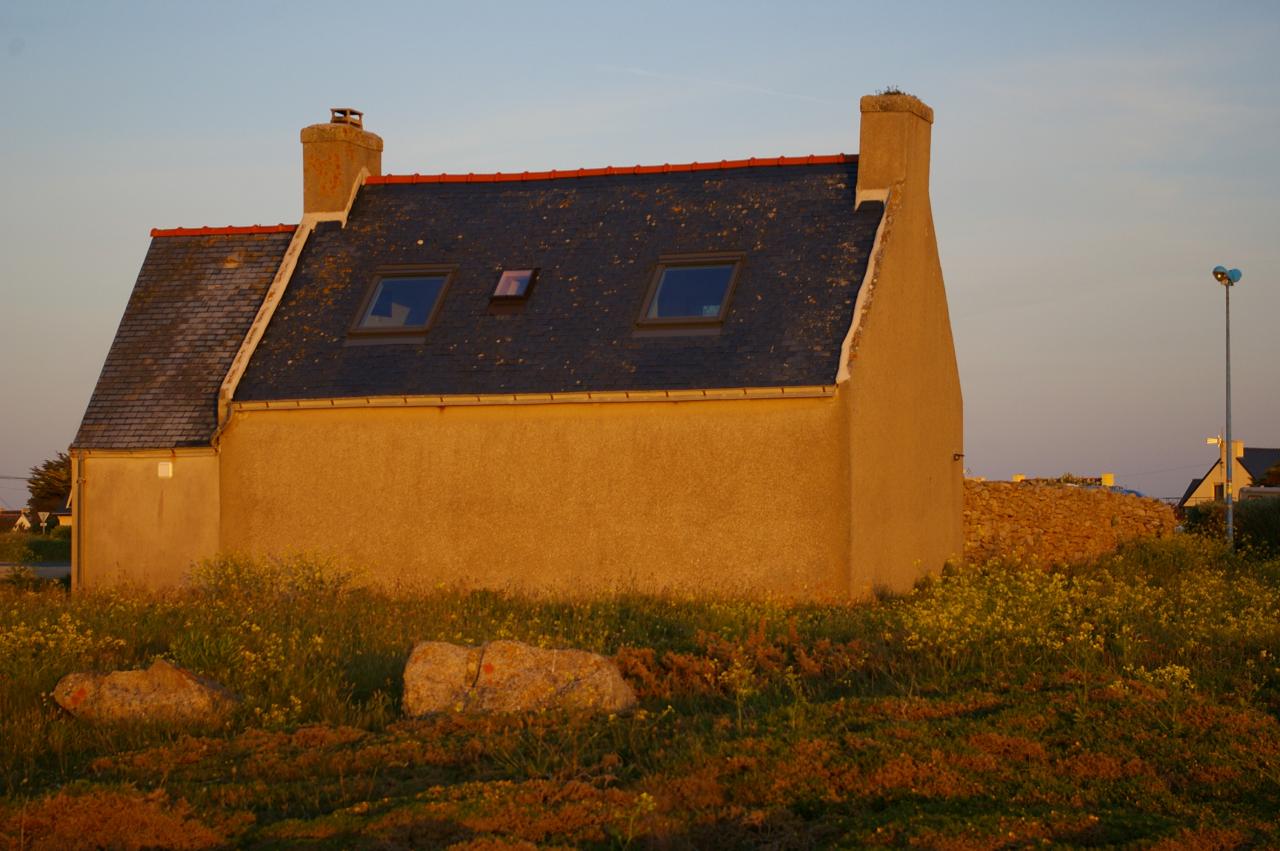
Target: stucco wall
[133, 526]
[727, 497]
[1054, 523]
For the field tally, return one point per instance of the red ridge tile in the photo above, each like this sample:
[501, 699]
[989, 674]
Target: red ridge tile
[665, 168]
[229, 230]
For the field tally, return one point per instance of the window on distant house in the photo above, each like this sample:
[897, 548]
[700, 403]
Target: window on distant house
[400, 304]
[691, 289]
[514, 283]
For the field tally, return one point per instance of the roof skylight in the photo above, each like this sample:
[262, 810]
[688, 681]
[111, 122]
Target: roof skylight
[693, 289]
[514, 283]
[401, 304]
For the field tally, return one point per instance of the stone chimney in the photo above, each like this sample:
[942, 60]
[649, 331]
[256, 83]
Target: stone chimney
[894, 145]
[333, 157]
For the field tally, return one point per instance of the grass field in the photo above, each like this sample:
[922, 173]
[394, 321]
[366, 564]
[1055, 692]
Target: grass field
[1131, 700]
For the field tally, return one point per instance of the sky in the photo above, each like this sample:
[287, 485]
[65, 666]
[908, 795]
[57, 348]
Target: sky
[1092, 162]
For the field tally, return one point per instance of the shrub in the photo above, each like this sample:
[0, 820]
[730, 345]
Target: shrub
[44, 548]
[13, 547]
[1257, 523]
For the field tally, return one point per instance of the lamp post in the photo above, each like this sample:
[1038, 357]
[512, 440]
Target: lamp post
[1228, 278]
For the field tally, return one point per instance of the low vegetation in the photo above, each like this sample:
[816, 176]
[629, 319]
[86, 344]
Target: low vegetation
[34, 548]
[1133, 699]
[1256, 522]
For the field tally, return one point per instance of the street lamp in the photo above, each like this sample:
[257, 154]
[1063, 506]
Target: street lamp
[1228, 278]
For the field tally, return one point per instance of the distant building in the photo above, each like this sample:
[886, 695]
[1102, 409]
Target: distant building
[1249, 464]
[27, 521]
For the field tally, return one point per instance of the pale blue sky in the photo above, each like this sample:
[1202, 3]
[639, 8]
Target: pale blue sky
[1092, 163]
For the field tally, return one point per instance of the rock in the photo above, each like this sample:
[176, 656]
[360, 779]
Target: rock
[508, 676]
[162, 693]
[438, 677]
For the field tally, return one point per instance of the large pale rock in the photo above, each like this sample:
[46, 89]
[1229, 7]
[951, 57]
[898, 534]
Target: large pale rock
[162, 693]
[438, 677]
[508, 676]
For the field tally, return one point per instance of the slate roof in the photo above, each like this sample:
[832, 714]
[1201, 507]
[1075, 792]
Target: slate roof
[1191, 488]
[596, 241]
[1257, 460]
[193, 302]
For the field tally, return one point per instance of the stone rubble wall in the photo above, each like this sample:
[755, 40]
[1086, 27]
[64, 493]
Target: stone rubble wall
[1053, 523]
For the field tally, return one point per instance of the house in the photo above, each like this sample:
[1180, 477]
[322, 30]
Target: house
[27, 521]
[1250, 465]
[65, 515]
[734, 377]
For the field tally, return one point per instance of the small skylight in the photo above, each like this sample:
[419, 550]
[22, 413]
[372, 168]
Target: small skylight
[514, 283]
[687, 291]
[401, 304]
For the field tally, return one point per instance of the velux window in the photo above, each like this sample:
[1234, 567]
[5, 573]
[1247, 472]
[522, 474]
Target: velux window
[514, 283]
[691, 289]
[512, 290]
[402, 303]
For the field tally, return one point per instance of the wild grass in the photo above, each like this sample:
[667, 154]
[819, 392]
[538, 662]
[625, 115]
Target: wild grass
[1133, 698]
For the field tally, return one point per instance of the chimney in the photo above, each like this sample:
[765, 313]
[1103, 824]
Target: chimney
[333, 156]
[894, 144]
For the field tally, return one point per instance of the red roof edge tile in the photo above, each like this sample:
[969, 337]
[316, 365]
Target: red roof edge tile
[666, 168]
[229, 230]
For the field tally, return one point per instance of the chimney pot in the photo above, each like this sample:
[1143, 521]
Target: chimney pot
[346, 115]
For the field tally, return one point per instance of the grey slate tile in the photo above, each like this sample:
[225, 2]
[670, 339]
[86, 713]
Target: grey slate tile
[596, 242]
[184, 322]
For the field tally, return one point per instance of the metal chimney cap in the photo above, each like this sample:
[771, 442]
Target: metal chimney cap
[346, 115]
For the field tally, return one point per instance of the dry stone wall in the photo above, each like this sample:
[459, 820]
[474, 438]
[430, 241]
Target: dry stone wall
[1054, 523]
